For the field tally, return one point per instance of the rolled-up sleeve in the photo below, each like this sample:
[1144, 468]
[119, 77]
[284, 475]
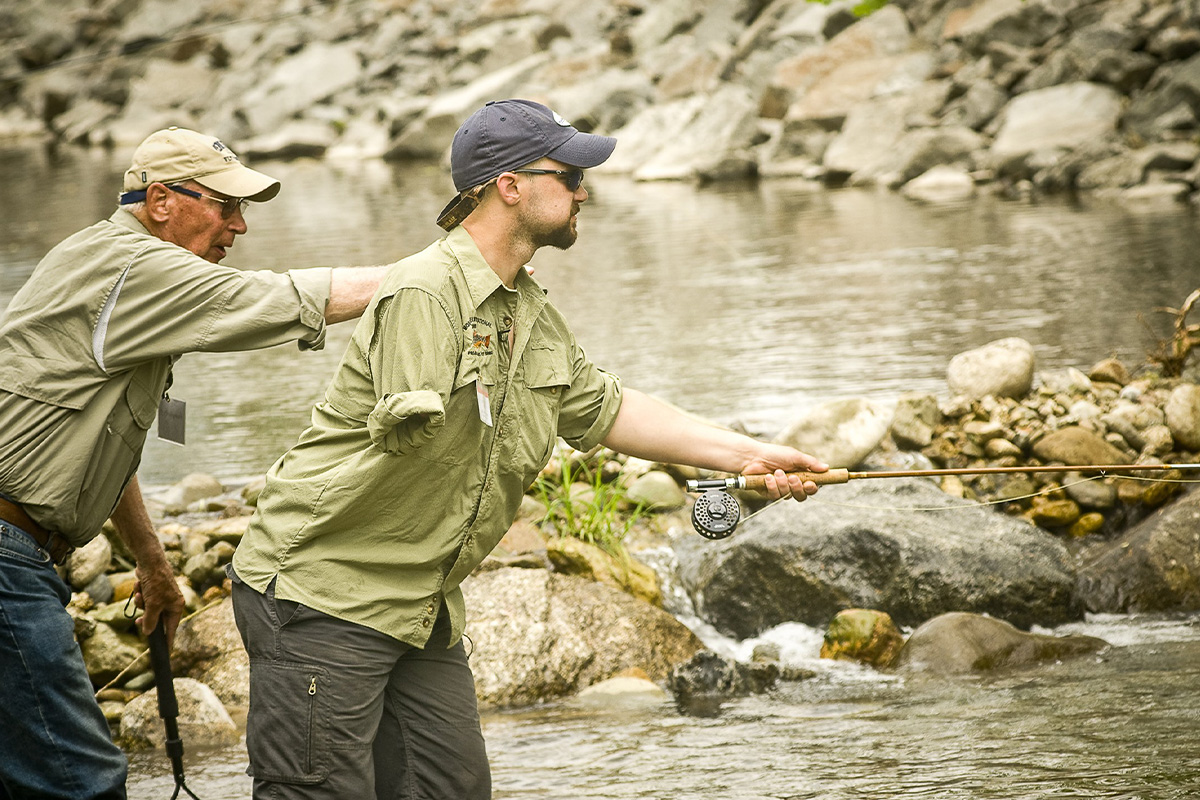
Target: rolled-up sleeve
[412, 358]
[400, 423]
[313, 287]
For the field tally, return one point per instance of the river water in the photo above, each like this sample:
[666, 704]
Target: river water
[747, 304]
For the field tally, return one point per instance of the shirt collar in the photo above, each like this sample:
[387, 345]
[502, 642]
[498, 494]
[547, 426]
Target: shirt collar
[482, 280]
[126, 219]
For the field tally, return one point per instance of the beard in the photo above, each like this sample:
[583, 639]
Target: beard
[541, 232]
[560, 236]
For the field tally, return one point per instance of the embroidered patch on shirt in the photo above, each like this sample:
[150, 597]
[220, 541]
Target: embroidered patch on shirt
[479, 335]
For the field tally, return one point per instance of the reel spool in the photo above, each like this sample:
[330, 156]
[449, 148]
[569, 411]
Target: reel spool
[716, 514]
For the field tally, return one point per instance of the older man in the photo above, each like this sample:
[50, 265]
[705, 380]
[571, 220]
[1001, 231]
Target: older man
[86, 350]
[458, 380]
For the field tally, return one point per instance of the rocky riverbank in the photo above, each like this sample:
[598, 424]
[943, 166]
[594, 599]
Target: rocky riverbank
[1024, 550]
[935, 98]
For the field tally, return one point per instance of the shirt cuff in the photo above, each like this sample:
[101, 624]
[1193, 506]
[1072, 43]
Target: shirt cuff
[403, 422]
[313, 287]
[607, 416]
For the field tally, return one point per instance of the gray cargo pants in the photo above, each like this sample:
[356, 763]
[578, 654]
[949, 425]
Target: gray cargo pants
[338, 710]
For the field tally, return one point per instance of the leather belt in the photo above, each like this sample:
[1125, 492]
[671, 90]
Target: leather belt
[53, 543]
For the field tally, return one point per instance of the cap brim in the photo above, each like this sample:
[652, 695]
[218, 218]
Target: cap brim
[241, 181]
[584, 150]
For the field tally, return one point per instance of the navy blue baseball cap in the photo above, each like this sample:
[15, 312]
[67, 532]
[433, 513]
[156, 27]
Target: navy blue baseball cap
[507, 134]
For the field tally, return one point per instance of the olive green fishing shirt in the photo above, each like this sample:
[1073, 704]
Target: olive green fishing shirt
[86, 348]
[399, 489]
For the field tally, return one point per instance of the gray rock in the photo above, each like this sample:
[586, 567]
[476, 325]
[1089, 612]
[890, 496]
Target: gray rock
[1183, 415]
[1024, 24]
[1003, 368]
[913, 420]
[1093, 494]
[88, 562]
[841, 432]
[107, 653]
[977, 107]
[209, 648]
[1171, 101]
[941, 184]
[920, 151]
[707, 679]
[1076, 446]
[429, 136]
[871, 547]
[864, 146]
[1058, 118]
[202, 720]
[298, 82]
[1155, 566]
[100, 589]
[657, 491]
[538, 635]
[958, 643]
[723, 128]
[293, 139]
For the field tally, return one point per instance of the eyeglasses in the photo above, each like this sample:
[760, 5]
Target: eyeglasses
[228, 204]
[571, 177]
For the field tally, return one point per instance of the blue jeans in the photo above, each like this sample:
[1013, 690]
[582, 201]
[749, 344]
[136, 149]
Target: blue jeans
[54, 741]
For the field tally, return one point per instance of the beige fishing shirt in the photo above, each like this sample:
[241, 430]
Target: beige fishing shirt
[86, 348]
[399, 488]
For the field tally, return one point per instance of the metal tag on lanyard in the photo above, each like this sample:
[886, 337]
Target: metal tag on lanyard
[172, 420]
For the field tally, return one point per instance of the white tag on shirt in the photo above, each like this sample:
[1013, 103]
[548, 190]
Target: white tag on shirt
[172, 420]
[485, 402]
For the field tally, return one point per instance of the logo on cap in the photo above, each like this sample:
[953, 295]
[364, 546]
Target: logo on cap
[560, 120]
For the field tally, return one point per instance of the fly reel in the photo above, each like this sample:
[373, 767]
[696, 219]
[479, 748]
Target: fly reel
[716, 514]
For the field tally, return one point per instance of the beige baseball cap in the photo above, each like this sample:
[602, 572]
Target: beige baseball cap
[178, 154]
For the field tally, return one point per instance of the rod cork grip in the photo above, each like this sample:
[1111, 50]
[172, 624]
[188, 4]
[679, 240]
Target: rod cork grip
[758, 483]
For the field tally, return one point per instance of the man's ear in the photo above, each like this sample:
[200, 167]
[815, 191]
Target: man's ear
[158, 198]
[508, 187]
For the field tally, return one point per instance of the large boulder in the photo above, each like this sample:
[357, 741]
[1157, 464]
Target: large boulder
[1003, 368]
[1154, 566]
[209, 648]
[899, 546]
[957, 643]
[841, 432]
[1055, 120]
[536, 635]
[202, 720]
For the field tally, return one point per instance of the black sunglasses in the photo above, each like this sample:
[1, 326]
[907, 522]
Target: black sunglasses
[571, 177]
[228, 204]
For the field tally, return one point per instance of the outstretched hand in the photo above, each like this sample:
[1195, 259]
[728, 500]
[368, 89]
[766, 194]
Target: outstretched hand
[777, 461]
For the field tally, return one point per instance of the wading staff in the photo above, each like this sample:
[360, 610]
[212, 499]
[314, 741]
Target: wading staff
[168, 705]
[716, 513]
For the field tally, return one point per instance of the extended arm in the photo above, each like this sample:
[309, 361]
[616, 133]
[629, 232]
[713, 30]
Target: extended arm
[650, 429]
[156, 591]
[350, 291]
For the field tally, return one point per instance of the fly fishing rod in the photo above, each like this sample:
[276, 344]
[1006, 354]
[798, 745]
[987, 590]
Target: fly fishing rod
[716, 513]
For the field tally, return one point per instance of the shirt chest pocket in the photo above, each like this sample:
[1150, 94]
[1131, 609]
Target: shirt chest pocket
[545, 378]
